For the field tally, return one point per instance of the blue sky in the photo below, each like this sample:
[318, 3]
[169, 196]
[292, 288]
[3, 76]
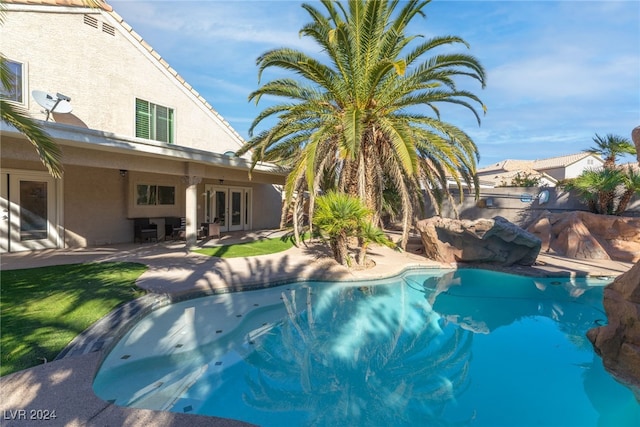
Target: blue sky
[558, 71]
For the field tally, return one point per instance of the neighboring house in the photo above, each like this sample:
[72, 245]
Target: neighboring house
[140, 142]
[634, 166]
[549, 171]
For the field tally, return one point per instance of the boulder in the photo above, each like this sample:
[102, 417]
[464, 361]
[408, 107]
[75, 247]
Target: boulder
[585, 235]
[618, 342]
[496, 241]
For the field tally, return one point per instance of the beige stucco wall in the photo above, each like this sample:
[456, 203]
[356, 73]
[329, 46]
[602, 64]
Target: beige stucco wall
[103, 74]
[267, 201]
[95, 207]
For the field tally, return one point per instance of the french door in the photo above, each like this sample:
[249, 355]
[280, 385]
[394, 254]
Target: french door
[229, 207]
[29, 209]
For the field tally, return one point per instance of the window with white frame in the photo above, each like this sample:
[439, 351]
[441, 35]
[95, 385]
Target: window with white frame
[154, 121]
[147, 194]
[15, 90]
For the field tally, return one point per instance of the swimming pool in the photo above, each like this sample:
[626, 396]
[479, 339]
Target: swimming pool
[429, 347]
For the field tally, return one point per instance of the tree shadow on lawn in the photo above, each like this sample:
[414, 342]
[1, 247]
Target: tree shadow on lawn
[43, 309]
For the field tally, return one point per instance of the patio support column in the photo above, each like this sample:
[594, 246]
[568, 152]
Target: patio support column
[191, 209]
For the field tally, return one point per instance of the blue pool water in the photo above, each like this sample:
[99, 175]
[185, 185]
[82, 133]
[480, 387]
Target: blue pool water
[428, 348]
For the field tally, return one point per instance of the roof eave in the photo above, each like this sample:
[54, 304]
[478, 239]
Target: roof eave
[67, 135]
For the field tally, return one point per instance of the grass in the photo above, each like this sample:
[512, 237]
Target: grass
[258, 247]
[43, 309]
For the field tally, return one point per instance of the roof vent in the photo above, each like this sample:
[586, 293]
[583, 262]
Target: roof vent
[91, 21]
[106, 28]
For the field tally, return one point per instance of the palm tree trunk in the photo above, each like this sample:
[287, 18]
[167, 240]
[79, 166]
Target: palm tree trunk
[362, 254]
[296, 228]
[339, 248]
[606, 202]
[284, 214]
[624, 202]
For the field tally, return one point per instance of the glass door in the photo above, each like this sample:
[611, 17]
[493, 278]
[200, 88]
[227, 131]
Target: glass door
[220, 208]
[228, 206]
[29, 212]
[236, 208]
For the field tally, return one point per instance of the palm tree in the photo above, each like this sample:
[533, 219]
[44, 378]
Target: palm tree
[369, 234]
[631, 182]
[18, 117]
[610, 148]
[340, 216]
[598, 189]
[368, 118]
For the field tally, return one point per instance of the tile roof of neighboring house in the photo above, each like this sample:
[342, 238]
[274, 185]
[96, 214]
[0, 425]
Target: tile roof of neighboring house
[561, 161]
[107, 8]
[510, 165]
[506, 166]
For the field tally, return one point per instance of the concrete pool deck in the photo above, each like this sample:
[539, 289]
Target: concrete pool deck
[65, 385]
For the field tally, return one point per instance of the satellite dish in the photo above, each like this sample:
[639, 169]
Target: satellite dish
[57, 103]
[543, 197]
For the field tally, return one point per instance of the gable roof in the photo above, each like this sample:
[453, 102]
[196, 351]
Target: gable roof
[511, 165]
[102, 5]
[562, 161]
[505, 166]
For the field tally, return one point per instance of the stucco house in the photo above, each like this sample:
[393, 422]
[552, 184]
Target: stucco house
[139, 141]
[548, 171]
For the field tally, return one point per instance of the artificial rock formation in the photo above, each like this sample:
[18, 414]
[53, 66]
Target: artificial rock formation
[496, 241]
[585, 235]
[618, 343]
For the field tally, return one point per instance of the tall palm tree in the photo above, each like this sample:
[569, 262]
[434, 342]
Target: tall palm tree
[610, 148]
[366, 115]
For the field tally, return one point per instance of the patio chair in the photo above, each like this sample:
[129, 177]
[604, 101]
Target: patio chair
[175, 228]
[144, 230]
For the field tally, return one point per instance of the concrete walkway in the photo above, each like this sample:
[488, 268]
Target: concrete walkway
[65, 385]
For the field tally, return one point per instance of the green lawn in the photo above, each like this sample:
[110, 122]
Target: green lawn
[43, 309]
[258, 247]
